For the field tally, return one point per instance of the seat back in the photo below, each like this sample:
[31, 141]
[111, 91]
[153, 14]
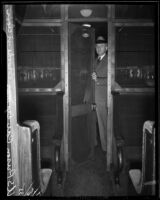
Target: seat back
[144, 180]
[40, 177]
[148, 158]
[35, 153]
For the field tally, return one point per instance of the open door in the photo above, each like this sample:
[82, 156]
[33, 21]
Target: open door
[82, 127]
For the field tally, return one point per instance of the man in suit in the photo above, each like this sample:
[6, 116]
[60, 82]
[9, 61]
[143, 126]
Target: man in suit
[99, 76]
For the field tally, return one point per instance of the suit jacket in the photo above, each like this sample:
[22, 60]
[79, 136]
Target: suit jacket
[100, 85]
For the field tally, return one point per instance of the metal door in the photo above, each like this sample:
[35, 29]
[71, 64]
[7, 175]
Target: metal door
[82, 127]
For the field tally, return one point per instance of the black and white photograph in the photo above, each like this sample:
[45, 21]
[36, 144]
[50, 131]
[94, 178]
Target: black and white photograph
[81, 98]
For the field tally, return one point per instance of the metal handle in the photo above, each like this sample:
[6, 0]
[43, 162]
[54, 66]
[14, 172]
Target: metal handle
[93, 106]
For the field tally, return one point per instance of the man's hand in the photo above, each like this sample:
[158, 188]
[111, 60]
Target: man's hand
[94, 76]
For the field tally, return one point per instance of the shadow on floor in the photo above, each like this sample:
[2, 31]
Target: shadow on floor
[90, 178]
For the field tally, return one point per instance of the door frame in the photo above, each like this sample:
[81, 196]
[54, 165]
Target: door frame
[110, 83]
[79, 109]
[111, 66]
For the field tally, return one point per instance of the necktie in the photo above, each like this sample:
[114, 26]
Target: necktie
[98, 60]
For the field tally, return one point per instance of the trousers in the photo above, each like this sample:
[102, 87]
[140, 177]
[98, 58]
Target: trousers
[101, 112]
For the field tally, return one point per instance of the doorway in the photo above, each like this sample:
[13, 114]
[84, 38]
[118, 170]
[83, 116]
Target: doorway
[81, 65]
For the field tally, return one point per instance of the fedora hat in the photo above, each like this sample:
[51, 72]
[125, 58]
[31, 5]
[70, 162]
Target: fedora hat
[100, 40]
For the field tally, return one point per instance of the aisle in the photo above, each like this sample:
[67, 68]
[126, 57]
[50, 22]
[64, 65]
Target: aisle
[90, 179]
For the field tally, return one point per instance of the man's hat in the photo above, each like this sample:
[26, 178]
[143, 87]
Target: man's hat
[101, 40]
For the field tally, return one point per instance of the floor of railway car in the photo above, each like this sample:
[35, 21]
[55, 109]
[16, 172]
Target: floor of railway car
[92, 179]
[88, 179]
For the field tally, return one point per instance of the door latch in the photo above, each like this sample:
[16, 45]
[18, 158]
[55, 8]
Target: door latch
[93, 106]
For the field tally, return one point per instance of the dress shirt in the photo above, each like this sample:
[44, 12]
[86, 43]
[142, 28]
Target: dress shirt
[101, 57]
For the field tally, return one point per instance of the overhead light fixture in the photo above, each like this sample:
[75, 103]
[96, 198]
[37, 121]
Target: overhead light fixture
[87, 25]
[86, 12]
[85, 35]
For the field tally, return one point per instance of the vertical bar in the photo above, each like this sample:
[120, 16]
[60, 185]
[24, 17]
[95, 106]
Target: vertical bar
[154, 160]
[66, 12]
[92, 64]
[110, 81]
[66, 94]
[62, 42]
[12, 127]
[62, 54]
[62, 78]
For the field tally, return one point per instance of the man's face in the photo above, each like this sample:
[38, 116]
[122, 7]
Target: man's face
[101, 48]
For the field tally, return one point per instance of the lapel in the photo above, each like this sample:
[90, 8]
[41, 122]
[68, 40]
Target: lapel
[100, 63]
[101, 68]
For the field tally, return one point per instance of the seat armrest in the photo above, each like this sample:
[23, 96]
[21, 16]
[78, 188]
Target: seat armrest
[119, 143]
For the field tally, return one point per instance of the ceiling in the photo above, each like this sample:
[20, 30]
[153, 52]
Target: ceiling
[99, 11]
[53, 11]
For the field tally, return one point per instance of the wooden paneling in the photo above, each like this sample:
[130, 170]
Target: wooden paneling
[42, 11]
[42, 109]
[47, 153]
[135, 11]
[135, 46]
[134, 58]
[38, 30]
[32, 106]
[39, 59]
[39, 48]
[130, 112]
[48, 127]
[134, 38]
[39, 42]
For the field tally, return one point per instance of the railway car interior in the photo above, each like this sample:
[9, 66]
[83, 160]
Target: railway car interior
[50, 130]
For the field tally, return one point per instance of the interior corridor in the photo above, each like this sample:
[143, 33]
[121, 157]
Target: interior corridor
[89, 178]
